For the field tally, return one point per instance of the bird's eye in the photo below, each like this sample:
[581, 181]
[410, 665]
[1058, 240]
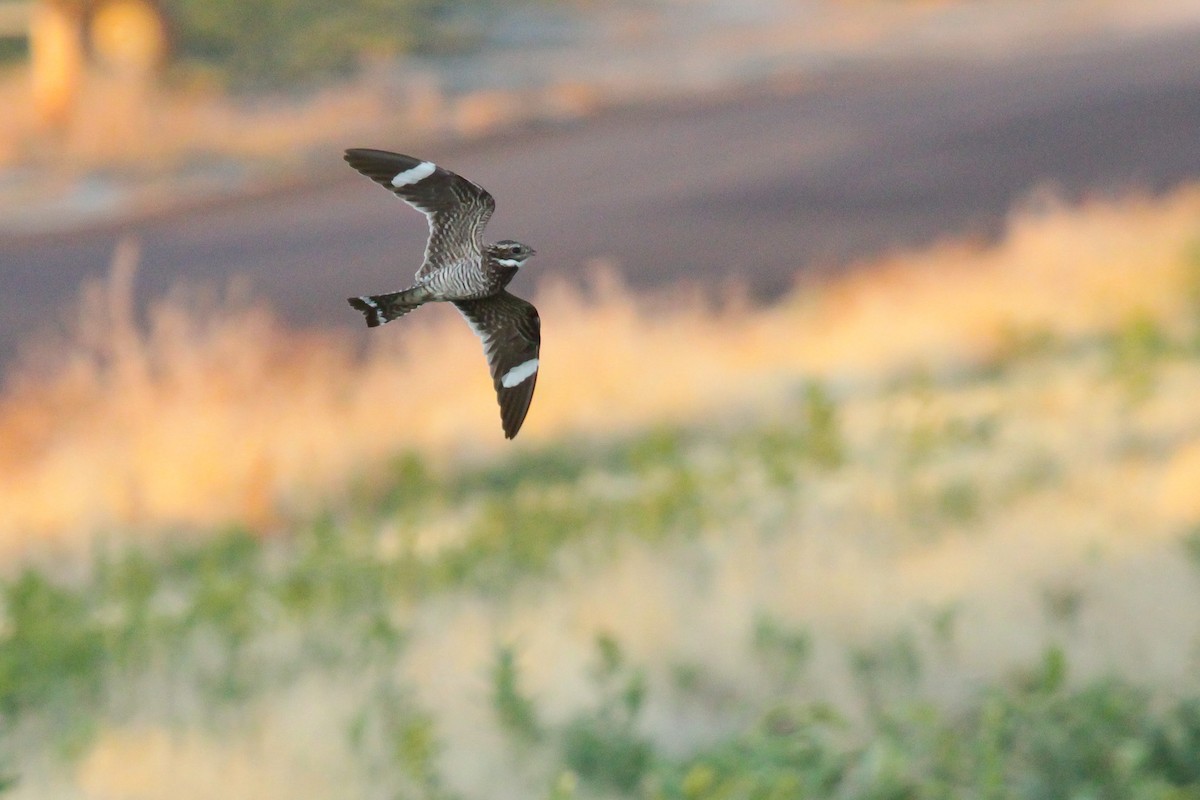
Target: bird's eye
[517, 249]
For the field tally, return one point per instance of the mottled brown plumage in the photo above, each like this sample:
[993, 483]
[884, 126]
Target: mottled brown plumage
[459, 268]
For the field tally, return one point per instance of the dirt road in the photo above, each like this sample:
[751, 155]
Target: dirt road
[741, 188]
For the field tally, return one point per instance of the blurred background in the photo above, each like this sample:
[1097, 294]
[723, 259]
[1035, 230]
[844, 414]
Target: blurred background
[865, 456]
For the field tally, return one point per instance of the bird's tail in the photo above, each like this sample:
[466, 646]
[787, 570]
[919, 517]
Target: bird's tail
[381, 308]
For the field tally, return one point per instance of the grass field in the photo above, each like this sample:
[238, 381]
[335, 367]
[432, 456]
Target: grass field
[931, 530]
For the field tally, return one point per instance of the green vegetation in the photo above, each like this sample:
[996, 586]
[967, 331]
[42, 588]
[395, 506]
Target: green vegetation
[13, 50]
[273, 43]
[1027, 738]
[237, 623]
[602, 745]
[515, 711]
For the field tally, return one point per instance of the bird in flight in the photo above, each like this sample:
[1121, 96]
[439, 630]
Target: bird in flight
[461, 269]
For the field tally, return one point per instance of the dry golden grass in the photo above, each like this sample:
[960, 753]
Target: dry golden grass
[148, 762]
[1084, 484]
[151, 129]
[212, 412]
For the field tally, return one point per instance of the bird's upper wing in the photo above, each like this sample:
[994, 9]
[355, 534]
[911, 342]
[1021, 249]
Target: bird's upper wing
[457, 209]
[512, 336]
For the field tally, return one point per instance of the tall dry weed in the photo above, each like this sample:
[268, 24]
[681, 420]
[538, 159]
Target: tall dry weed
[208, 410]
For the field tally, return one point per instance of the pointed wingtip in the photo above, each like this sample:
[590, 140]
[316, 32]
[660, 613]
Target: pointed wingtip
[512, 414]
[511, 419]
[358, 156]
[512, 425]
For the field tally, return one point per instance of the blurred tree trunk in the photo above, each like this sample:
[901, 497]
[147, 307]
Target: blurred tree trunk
[128, 37]
[127, 43]
[56, 54]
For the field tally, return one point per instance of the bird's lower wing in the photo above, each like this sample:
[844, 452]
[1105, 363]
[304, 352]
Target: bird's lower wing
[512, 337]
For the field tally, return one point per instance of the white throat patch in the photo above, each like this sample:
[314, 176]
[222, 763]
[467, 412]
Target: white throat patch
[519, 373]
[418, 173]
[508, 262]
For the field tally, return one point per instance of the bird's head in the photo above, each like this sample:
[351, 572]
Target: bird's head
[508, 253]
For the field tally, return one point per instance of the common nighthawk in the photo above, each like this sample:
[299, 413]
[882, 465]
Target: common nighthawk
[461, 269]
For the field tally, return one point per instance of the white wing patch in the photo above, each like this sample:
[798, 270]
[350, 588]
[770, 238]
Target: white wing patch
[519, 373]
[418, 173]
